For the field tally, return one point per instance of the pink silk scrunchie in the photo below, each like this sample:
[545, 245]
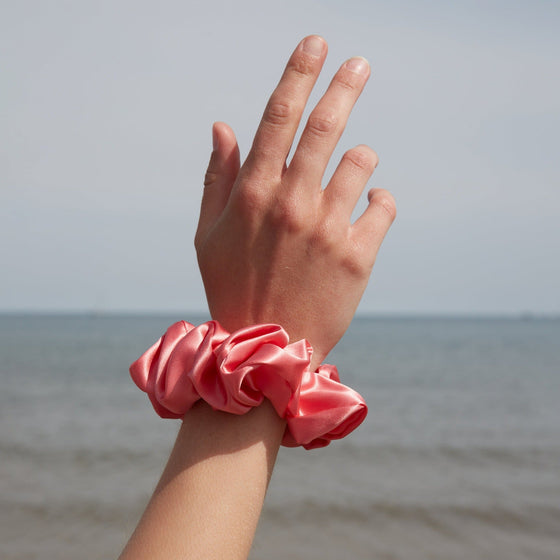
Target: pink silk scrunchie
[235, 372]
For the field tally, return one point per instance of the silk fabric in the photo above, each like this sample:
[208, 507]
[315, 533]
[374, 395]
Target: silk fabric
[236, 372]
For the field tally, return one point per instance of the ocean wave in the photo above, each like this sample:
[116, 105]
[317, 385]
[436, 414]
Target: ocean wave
[74, 511]
[78, 456]
[462, 454]
[347, 455]
[446, 518]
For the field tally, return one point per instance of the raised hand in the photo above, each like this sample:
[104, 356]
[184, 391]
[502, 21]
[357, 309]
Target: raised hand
[274, 246]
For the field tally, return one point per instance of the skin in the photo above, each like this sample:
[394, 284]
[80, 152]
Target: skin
[273, 246]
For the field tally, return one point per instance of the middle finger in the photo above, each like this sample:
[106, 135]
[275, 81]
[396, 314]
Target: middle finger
[326, 123]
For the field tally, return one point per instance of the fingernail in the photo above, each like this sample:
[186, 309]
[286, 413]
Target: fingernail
[313, 46]
[215, 140]
[358, 65]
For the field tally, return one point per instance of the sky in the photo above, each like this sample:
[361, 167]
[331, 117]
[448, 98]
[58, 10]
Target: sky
[106, 110]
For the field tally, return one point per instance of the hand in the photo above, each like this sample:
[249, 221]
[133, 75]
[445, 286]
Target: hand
[272, 245]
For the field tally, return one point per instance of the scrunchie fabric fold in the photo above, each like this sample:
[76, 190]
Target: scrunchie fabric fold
[236, 372]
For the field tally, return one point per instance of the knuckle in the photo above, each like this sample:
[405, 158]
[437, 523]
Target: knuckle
[362, 159]
[210, 178]
[278, 113]
[323, 238]
[348, 81]
[250, 200]
[328, 236]
[353, 261]
[198, 241]
[287, 215]
[385, 200]
[322, 124]
[301, 66]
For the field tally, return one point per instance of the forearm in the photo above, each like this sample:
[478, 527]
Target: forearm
[208, 501]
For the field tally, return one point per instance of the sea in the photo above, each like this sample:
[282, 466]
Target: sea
[459, 457]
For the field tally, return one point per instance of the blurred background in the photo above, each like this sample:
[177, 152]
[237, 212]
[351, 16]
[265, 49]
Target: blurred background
[105, 118]
[106, 110]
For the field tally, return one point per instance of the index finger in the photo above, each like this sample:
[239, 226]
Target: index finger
[283, 112]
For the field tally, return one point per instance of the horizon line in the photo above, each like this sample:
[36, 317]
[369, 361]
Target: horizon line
[108, 313]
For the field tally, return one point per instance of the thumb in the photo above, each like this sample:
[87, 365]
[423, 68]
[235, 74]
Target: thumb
[220, 176]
